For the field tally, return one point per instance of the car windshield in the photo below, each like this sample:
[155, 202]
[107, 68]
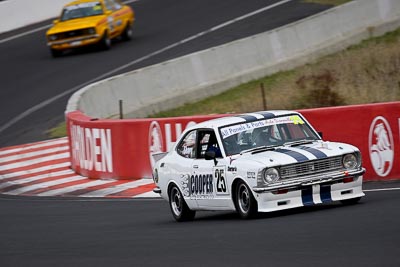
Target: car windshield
[264, 134]
[81, 10]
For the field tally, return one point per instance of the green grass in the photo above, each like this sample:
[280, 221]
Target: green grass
[245, 96]
[364, 73]
[386, 39]
[59, 131]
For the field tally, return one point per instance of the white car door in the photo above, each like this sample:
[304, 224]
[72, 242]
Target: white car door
[208, 181]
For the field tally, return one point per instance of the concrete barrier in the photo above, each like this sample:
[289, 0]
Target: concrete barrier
[195, 76]
[15, 14]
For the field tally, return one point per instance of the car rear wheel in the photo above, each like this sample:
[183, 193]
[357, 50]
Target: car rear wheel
[179, 208]
[245, 203]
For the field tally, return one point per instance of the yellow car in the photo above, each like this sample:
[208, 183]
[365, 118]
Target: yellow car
[89, 22]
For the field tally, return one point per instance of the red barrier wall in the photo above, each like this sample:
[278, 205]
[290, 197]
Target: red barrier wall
[373, 128]
[122, 148]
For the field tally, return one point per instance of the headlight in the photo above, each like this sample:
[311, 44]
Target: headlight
[91, 30]
[271, 175]
[350, 161]
[53, 37]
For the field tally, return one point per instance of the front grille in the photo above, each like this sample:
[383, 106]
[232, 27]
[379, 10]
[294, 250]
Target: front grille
[311, 167]
[73, 34]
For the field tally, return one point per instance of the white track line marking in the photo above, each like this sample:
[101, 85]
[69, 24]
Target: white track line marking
[381, 189]
[68, 189]
[44, 185]
[36, 170]
[117, 188]
[34, 161]
[191, 38]
[105, 75]
[61, 141]
[24, 34]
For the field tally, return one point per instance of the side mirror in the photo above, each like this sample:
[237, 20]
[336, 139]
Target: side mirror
[210, 155]
[55, 21]
[321, 135]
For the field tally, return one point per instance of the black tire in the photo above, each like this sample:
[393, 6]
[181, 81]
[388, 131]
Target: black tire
[179, 208]
[105, 42]
[127, 33]
[245, 203]
[55, 53]
[350, 201]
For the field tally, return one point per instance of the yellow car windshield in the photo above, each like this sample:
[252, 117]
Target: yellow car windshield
[81, 10]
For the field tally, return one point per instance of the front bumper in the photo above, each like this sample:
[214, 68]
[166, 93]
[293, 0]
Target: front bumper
[157, 190]
[310, 180]
[311, 191]
[74, 42]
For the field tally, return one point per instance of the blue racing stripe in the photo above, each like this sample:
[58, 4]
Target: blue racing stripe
[248, 118]
[296, 155]
[326, 193]
[266, 115]
[306, 196]
[317, 153]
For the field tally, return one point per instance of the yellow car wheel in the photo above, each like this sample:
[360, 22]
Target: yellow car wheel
[105, 42]
[127, 34]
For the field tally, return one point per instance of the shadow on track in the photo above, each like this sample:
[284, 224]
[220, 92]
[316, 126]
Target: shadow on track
[231, 216]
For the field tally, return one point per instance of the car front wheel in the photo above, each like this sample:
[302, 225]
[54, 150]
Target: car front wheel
[105, 42]
[127, 33]
[179, 208]
[245, 203]
[55, 52]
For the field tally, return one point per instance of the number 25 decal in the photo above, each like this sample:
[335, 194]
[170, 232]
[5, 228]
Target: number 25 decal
[221, 182]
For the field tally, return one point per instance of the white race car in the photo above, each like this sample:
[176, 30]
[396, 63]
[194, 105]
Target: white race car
[256, 162]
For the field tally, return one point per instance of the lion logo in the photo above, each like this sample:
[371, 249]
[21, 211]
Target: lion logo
[381, 146]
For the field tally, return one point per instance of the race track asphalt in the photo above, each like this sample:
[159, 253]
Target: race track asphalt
[30, 78]
[97, 232]
[141, 232]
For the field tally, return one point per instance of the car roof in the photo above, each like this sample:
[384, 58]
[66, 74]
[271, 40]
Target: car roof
[82, 1]
[245, 117]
